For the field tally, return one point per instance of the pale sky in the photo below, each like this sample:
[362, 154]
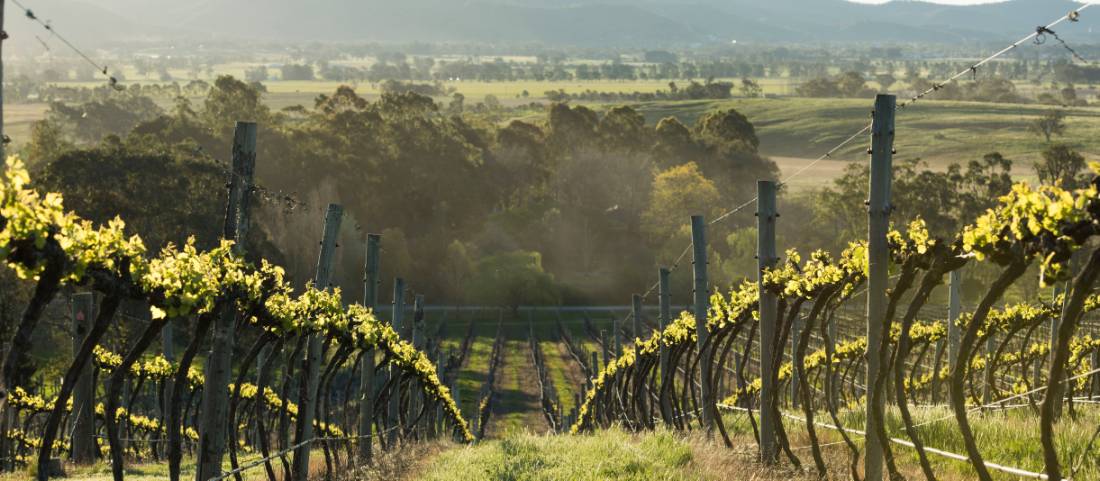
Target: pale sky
[946, 2]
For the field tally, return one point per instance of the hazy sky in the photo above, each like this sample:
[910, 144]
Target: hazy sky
[947, 2]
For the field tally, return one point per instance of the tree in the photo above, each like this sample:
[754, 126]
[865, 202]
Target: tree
[678, 193]
[257, 74]
[112, 115]
[457, 105]
[623, 128]
[47, 142]
[749, 88]
[852, 85]
[885, 80]
[492, 102]
[297, 72]
[727, 126]
[1050, 123]
[513, 279]
[231, 100]
[457, 268]
[1061, 167]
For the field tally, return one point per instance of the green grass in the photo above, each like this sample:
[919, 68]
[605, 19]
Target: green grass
[939, 132]
[560, 368]
[607, 455]
[156, 471]
[1009, 438]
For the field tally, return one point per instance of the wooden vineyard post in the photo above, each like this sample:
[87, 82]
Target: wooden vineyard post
[1096, 376]
[213, 428]
[606, 347]
[878, 223]
[1055, 325]
[416, 338]
[636, 313]
[456, 394]
[366, 368]
[954, 308]
[769, 306]
[311, 363]
[702, 305]
[435, 426]
[83, 415]
[595, 369]
[617, 331]
[830, 345]
[664, 318]
[796, 332]
[417, 326]
[396, 319]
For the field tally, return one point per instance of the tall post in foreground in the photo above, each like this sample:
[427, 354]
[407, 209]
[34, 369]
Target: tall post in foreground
[219, 363]
[311, 363]
[416, 334]
[878, 222]
[954, 309]
[636, 313]
[796, 331]
[605, 343]
[951, 344]
[83, 415]
[397, 321]
[617, 330]
[769, 307]
[664, 318]
[702, 305]
[366, 367]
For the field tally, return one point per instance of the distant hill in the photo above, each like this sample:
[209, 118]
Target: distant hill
[644, 23]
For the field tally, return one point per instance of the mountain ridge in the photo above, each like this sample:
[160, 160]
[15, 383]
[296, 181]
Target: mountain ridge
[644, 24]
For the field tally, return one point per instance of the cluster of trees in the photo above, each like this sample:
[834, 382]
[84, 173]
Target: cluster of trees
[21, 90]
[708, 90]
[847, 85]
[989, 89]
[576, 205]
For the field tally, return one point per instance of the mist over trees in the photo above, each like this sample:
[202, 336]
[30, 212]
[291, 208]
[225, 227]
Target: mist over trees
[558, 203]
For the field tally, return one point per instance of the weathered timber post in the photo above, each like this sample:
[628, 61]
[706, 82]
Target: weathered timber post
[954, 309]
[595, 370]
[617, 331]
[769, 307]
[83, 414]
[397, 321]
[417, 339]
[664, 318]
[951, 344]
[702, 305]
[366, 367]
[213, 428]
[456, 393]
[636, 312]
[878, 217]
[796, 332]
[1096, 376]
[311, 363]
[606, 347]
[830, 347]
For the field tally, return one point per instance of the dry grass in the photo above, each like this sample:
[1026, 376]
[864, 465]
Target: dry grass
[406, 463]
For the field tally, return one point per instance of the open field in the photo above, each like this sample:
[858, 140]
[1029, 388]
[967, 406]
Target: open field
[938, 132]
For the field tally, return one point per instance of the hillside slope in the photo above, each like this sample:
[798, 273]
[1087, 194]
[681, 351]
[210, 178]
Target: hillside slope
[560, 22]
